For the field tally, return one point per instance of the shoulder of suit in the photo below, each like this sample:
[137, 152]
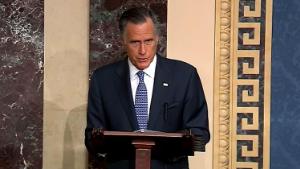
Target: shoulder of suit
[177, 64]
[109, 68]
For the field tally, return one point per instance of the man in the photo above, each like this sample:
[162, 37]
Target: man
[146, 92]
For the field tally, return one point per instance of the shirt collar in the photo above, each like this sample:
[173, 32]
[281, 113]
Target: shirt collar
[149, 71]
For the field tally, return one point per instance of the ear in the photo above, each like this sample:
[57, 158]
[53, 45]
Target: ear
[122, 39]
[123, 44]
[157, 39]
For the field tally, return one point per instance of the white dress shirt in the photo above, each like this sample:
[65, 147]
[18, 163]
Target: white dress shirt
[148, 79]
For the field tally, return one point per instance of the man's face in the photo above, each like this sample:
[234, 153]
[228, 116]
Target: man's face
[140, 42]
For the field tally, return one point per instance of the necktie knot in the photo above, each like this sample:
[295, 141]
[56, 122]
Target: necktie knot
[141, 76]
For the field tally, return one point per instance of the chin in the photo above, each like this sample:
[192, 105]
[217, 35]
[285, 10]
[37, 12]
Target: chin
[142, 67]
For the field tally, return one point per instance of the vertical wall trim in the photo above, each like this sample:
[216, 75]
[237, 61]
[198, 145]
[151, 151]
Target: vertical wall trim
[242, 84]
[222, 85]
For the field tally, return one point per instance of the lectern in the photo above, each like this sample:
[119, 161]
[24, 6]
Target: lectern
[146, 144]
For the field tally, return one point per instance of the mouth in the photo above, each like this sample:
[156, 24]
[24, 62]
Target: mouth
[142, 59]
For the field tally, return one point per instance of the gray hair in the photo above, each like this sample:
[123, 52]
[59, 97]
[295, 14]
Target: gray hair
[137, 15]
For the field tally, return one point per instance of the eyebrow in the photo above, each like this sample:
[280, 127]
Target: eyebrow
[149, 39]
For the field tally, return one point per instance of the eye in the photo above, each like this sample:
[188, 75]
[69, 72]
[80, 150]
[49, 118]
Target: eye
[149, 41]
[134, 43]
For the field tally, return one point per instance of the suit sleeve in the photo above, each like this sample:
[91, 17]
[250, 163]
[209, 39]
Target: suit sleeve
[95, 112]
[195, 113]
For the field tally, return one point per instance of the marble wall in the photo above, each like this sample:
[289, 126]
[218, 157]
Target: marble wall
[285, 107]
[21, 83]
[105, 45]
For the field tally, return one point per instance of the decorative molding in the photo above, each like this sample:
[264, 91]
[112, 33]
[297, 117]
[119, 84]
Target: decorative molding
[242, 84]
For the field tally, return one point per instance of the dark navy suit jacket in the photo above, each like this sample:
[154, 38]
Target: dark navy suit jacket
[177, 106]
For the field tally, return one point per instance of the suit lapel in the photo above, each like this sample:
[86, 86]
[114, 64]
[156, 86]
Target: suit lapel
[124, 88]
[161, 84]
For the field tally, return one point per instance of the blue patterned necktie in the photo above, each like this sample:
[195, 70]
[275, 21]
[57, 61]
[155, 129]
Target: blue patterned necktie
[141, 102]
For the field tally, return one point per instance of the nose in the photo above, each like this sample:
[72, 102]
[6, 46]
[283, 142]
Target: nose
[142, 49]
